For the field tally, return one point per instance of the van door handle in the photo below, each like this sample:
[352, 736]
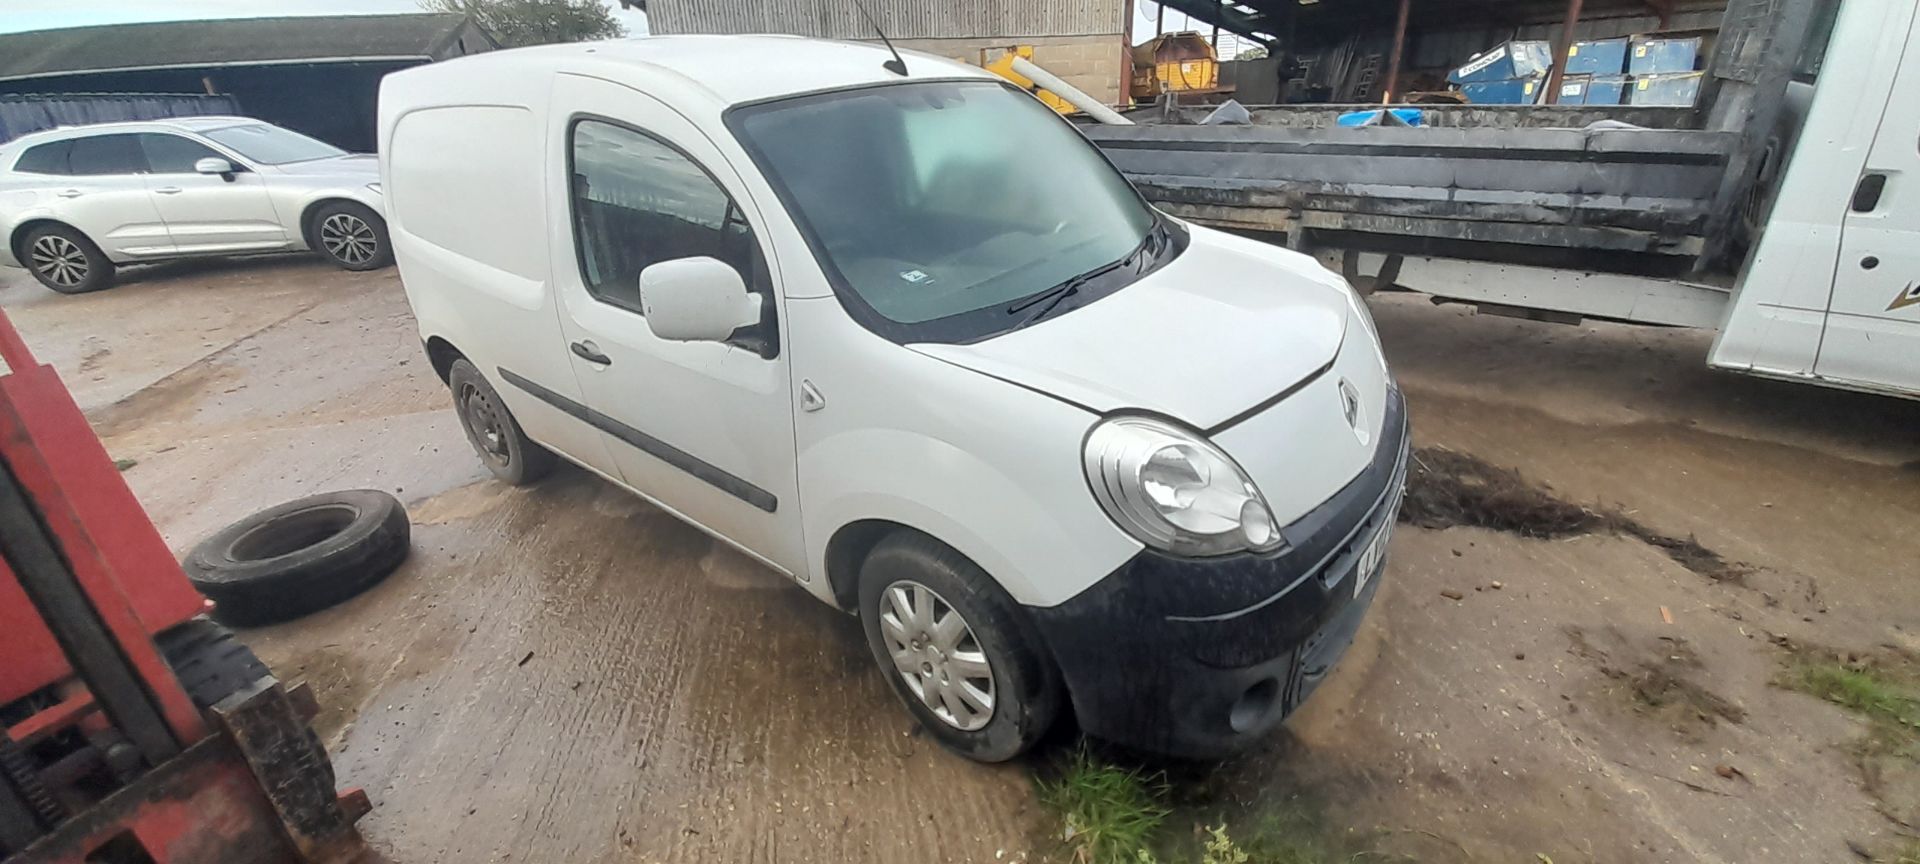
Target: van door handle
[69, 193]
[167, 190]
[1866, 196]
[590, 352]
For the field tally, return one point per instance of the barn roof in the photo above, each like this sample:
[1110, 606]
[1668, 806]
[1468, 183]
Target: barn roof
[231, 42]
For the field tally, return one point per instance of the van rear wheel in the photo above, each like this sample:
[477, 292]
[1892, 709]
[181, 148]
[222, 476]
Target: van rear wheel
[954, 648]
[491, 429]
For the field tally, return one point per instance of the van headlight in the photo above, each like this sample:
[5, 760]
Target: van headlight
[1174, 490]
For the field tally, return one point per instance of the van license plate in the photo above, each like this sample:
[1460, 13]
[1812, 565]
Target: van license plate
[1371, 557]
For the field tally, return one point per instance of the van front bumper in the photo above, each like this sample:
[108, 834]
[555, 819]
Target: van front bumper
[1199, 657]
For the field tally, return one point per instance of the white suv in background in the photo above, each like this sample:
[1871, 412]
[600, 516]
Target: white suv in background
[76, 201]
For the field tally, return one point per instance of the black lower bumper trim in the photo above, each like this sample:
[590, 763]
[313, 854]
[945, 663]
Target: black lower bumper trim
[1197, 657]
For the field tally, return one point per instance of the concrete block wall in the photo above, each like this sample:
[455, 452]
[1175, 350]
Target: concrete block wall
[1091, 63]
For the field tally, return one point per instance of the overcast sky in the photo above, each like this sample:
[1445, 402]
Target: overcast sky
[19, 15]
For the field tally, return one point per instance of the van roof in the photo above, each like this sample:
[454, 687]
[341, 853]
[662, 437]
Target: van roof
[729, 69]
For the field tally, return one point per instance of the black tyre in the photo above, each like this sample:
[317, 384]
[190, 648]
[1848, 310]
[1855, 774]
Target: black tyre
[491, 429]
[956, 649]
[65, 260]
[301, 556]
[213, 664]
[351, 235]
[209, 660]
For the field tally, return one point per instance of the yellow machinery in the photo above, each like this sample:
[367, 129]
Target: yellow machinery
[1002, 65]
[1175, 62]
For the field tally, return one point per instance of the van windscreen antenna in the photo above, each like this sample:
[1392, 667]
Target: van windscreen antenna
[897, 66]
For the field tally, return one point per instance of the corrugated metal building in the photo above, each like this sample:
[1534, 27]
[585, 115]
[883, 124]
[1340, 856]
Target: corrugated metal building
[20, 115]
[1079, 40]
[317, 75]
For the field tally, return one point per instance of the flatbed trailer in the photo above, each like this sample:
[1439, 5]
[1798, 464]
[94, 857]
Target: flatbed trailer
[1781, 211]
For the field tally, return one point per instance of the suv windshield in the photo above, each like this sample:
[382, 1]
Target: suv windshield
[952, 211]
[272, 145]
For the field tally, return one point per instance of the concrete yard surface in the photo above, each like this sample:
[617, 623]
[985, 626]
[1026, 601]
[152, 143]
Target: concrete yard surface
[565, 673]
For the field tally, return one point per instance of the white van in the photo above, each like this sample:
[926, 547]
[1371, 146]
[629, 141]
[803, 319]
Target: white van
[912, 341]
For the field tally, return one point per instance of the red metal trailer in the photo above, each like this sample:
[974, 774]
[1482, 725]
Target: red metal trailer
[135, 728]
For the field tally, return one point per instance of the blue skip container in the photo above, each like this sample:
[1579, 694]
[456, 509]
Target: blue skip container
[1512, 91]
[1593, 89]
[1597, 57]
[1506, 62]
[1654, 56]
[1669, 90]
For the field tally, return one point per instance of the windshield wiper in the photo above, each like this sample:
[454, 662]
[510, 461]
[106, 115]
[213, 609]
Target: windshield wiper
[1053, 297]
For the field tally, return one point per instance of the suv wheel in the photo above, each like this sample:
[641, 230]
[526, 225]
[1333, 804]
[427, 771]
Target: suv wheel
[65, 260]
[352, 236]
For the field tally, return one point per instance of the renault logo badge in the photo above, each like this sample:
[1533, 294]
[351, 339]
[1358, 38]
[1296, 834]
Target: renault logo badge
[1350, 407]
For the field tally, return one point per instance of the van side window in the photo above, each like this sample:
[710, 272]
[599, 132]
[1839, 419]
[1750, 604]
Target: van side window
[638, 201]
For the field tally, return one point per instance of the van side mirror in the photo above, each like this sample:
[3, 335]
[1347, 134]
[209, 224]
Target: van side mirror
[696, 300]
[214, 165]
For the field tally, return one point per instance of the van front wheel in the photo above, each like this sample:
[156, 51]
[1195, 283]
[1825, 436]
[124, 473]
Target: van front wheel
[491, 429]
[954, 648]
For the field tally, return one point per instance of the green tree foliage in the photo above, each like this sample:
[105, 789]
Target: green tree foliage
[536, 22]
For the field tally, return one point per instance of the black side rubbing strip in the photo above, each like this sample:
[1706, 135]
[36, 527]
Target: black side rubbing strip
[654, 447]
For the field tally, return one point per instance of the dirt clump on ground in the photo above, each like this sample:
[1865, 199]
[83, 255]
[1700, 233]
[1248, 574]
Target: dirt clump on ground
[1661, 681]
[1686, 551]
[1447, 488]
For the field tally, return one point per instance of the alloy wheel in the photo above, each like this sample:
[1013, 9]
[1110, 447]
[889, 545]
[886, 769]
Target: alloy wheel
[936, 653]
[348, 238]
[60, 260]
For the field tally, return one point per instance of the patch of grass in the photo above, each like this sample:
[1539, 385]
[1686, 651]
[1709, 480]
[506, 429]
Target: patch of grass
[1292, 837]
[1908, 854]
[1890, 704]
[1111, 813]
[1117, 815]
[1884, 690]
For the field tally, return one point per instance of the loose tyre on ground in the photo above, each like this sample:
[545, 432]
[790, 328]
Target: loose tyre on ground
[352, 236]
[65, 260]
[301, 556]
[491, 429]
[954, 648]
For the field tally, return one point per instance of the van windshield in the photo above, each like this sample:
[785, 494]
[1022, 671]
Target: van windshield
[951, 211]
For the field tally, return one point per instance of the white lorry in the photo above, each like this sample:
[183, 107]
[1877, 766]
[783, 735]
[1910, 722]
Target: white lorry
[1819, 218]
[891, 327]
